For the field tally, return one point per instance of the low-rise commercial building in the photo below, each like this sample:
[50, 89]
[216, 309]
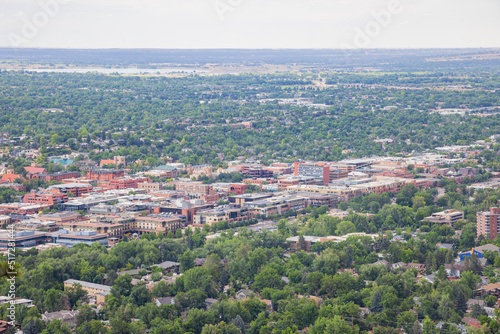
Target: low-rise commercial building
[70, 239]
[228, 213]
[277, 205]
[448, 217]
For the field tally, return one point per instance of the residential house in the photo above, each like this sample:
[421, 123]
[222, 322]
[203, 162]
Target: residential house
[165, 301]
[452, 270]
[67, 317]
[244, 294]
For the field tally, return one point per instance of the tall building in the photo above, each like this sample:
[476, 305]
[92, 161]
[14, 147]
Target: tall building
[487, 223]
[320, 172]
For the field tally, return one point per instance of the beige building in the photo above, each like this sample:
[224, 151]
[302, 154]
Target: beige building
[149, 186]
[96, 291]
[228, 213]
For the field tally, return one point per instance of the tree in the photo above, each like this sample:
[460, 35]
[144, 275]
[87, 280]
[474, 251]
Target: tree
[376, 302]
[268, 278]
[345, 227]
[406, 320]
[239, 323]
[417, 328]
[441, 274]
[221, 328]
[301, 244]
[477, 311]
[186, 261]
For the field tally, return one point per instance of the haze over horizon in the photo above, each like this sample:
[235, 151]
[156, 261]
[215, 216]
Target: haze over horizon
[243, 24]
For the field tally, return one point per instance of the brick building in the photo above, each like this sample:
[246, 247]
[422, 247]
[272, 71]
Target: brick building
[104, 174]
[53, 197]
[126, 183]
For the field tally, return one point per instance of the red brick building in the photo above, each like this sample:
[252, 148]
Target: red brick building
[45, 197]
[53, 177]
[126, 183]
[104, 174]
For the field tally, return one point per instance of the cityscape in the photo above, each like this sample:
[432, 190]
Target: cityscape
[236, 167]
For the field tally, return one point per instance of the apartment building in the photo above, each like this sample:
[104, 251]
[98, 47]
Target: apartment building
[487, 223]
[97, 291]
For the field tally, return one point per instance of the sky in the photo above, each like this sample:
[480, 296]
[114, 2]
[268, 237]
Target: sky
[200, 24]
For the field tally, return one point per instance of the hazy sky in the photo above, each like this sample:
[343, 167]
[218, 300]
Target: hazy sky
[249, 23]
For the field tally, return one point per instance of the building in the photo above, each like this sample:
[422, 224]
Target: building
[65, 162]
[18, 301]
[23, 208]
[487, 223]
[75, 189]
[168, 173]
[59, 177]
[479, 251]
[45, 197]
[128, 182]
[96, 291]
[117, 161]
[15, 186]
[67, 239]
[187, 209]
[246, 198]
[157, 223]
[150, 187]
[448, 217]
[197, 189]
[67, 317]
[258, 172]
[23, 238]
[104, 174]
[320, 172]
[60, 217]
[228, 213]
[289, 181]
[111, 229]
[277, 205]
[84, 204]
